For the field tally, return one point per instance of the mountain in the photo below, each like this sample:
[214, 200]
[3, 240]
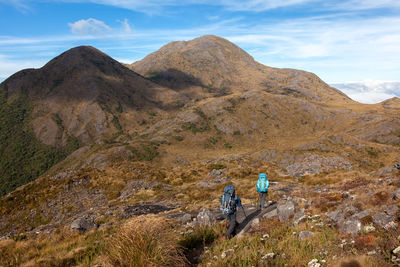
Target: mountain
[213, 66]
[88, 145]
[80, 97]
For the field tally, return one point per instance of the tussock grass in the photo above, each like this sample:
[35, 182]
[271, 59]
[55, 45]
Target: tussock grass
[145, 241]
[62, 248]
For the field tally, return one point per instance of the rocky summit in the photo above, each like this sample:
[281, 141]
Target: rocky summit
[98, 158]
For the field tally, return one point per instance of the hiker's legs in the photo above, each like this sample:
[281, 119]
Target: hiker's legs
[232, 224]
[262, 196]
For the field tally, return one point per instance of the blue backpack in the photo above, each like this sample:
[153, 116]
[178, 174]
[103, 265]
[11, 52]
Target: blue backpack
[262, 183]
[228, 200]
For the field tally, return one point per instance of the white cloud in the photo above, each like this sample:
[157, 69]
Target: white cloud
[369, 91]
[89, 27]
[125, 26]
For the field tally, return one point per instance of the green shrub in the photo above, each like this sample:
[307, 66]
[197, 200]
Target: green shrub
[23, 157]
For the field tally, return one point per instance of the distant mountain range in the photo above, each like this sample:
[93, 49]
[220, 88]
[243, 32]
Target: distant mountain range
[369, 92]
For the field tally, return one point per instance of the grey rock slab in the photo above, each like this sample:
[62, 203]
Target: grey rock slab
[205, 217]
[83, 224]
[271, 214]
[382, 219]
[305, 234]
[285, 210]
[396, 194]
[392, 210]
[352, 227]
[335, 217]
[361, 215]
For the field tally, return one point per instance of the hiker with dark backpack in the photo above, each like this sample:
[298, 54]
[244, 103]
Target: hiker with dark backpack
[262, 188]
[229, 201]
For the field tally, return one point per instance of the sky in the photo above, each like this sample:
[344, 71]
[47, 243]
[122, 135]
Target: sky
[340, 41]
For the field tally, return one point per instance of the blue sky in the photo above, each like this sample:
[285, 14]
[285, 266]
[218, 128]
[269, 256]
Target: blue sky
[347, 40]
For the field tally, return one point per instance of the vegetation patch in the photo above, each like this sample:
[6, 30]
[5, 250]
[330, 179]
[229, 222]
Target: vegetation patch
[24, 158]
[144, 152]
[145, 241]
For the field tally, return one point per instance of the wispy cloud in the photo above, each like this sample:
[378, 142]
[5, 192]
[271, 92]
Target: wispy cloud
[89, 27]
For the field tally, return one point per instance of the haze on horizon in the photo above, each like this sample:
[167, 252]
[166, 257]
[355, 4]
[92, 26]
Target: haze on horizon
[340, 41]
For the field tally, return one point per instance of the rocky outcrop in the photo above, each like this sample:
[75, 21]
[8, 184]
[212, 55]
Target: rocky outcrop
[83, 224]
[311, 164]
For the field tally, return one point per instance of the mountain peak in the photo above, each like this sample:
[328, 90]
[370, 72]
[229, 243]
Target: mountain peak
[217, 66]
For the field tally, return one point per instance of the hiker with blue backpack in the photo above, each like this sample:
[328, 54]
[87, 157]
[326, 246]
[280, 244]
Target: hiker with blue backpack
[262, 188]
[229, 201]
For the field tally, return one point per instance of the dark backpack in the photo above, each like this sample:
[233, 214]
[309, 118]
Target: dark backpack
[228, 203]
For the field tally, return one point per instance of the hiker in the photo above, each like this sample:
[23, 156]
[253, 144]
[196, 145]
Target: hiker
[262, 189]
[229, 201]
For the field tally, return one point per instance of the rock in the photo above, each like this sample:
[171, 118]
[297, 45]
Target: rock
[352, 226]
[299, 217]
[314, 263]
[390, 225]
[305, 234]
[268, 256]
[255, 222]
[205, 217]
[392, 210]
[271, 214]
[385, 170]
[285, 210]
[369, 228]
[336, 217]
[185, 218]
[396, 251]
[83, 224]
[350, 210]
[311, 164]
[382, 219]
[361, 215]
[396, 194]
[226, 253]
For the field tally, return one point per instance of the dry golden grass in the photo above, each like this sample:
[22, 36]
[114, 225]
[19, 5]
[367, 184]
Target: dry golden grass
[144, 241]
[62, 248]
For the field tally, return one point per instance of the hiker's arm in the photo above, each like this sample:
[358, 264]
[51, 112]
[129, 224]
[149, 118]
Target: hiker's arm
[239, 203]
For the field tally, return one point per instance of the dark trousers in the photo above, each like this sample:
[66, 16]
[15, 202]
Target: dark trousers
[262, 196]
[232, 224]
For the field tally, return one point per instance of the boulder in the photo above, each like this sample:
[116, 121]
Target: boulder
[361, 215]
[396, 251]
[271, 214]
[305, 234]
[83, 224]
[350, 210]
[268, 256]
[205, 217]
[382, 219]
[255, 222]
[352, 226]
[392, 210]
[185, 218]
[285, 210]
[299, 217]
[396, 194]
[226, 253]
[314, 263]
[335, 217]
